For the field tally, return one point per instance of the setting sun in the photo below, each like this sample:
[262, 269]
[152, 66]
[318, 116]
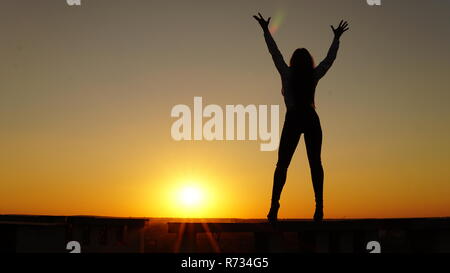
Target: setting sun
[191, 196]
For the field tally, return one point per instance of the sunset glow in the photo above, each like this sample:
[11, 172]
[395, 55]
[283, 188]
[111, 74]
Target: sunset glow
[87, 93]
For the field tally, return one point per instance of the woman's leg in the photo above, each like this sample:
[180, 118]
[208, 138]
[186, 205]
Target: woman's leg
[288, 143]
[313, 141]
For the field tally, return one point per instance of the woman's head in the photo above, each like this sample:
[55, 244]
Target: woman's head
[303, 81]
[302, 60]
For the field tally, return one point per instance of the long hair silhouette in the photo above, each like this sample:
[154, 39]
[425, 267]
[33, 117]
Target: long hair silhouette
[303, 81]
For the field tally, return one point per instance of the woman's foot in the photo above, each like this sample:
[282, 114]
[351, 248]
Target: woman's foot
[318, 214]
[273, 213]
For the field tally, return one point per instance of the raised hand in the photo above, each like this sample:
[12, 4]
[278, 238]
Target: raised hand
[343, 27]
[262, 22]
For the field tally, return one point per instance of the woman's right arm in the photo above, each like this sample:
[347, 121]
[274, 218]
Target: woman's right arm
[277, 57]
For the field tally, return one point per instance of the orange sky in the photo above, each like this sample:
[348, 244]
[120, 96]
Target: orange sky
[86, 95]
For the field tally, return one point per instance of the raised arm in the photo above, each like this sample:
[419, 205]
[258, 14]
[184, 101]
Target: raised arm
[271, 45]
[325, 65]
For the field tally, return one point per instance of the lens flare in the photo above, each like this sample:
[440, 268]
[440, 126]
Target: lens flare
[277, 21]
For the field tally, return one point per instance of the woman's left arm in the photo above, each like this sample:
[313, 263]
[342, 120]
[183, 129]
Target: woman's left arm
[326, 64]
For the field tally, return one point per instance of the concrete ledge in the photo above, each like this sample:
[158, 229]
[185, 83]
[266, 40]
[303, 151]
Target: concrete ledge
[350, 236]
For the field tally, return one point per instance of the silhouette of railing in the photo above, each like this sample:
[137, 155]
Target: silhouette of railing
[345, 236]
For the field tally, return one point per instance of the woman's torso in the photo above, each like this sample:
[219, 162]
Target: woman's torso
[295, 99]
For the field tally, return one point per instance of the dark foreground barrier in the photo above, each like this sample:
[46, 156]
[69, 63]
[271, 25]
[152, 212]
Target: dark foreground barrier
[31, 234]
[341, 236]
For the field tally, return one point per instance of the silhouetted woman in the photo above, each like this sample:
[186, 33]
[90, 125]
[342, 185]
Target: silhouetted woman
[299, 81]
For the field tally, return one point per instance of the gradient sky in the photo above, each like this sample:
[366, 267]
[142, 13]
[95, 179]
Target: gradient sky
[86, 94]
